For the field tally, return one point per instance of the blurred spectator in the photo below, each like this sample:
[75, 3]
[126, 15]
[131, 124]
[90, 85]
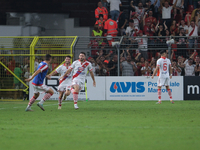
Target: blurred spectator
[188, 14]
[181, 65]
[139, 10]
[189, 67]
[96, 44]
[95, 66]
[174, 28]
[142, 41]
[100, 22]
[114, 8]
[184, 26]
[160, 29]
[146, 70]
[27, 63]
[156, 7]
[36, 63]
[26, 76]
[2, 73]
[150, 7]
[176, 71]
[131, 30]
[178, 9]
[195, 13]
[101, 10]
[110, 27]
[186, 4]
[112, 66]
[11, 66]
[18, 72]
[128, 67]
[197, 66]
[55, 63]
[166, 12]
[122, 20]
[97, 31]
[135, 20]
[150, 18]
[181, 43]
[192, 31]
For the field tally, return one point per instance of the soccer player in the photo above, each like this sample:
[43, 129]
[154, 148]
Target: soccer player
[38, 86]
[164, 66]
[80, 67]
[65, 83]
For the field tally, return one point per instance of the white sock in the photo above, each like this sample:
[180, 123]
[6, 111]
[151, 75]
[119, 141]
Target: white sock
[41, 101]
[28, 106]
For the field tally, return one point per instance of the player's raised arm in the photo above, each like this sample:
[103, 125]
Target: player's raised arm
[157, 67]
[35, 74]
[92, 76]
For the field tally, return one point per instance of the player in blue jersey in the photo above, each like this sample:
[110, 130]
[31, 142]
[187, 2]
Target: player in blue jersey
[38, 86]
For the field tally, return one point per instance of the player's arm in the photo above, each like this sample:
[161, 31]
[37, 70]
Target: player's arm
[66, 73]
[51, 74]
[35, 74]
[132, 4]
[157, 67]
[170, 71]
[92, 76]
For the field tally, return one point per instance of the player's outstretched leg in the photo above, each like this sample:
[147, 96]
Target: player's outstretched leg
[159, 96]
[170, 95]
[59, 102]
[32, 100]
[75, 96]
[46, 96]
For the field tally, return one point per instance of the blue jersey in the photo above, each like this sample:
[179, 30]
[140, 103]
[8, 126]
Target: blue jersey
[38, 79]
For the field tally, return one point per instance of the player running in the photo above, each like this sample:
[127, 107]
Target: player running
[164, 66]
[65, 83]
[80, 68]
[38, 86]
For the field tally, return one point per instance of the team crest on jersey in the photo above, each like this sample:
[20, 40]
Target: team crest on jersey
[81, 68]
[111, 23]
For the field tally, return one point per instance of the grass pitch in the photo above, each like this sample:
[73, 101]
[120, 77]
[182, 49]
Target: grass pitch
[101, 125]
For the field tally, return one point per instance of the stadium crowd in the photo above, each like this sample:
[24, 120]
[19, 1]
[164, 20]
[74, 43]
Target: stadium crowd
[146, 27]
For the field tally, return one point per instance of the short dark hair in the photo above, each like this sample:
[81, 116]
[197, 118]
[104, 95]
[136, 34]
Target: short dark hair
[83, 53]
[131, 20]
[100, 15]
[162, 51]
[47, 57]
[69, 57]
[109, 16]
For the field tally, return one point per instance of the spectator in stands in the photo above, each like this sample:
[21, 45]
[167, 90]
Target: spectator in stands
[181, 43]
[184, 26]
[95, 66]
[197, 66]
[178, 9]
[139, 10]
[192, 31]
[151, 7]
[114, 8]
[142, 41]
[156, 7]
[146, 70]
[27, 63]
[2, 73]
[112, 66]
[100, 22]
[174, 28]
[110, 27]
[122, 20]
[150, 18]
[135, 20]
[36, 63]
[18, 72]
[176, 71]
[97, 31]
[26, 76]
[160, 29]
[189, 67]
[131, 29]
[128, 67]
[166, 12]
[55, 63]
[195, 13]
[101, 10]
[11, 66]
[186, 4]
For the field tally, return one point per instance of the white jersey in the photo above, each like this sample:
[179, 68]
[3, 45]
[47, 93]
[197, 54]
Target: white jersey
[80, 69]
[163, 64]
[142, 43]
[61, 70]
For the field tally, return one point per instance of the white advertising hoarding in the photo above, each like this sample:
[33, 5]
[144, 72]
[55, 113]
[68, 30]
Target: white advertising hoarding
[93, 93]
[141, 88]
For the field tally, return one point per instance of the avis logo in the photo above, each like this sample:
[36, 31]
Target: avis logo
[126, 86]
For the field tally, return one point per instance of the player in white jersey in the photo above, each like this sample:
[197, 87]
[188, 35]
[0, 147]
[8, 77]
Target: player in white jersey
[164, 66]
[65, 83]
[80, 68]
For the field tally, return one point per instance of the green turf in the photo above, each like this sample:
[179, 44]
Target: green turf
[101, 125]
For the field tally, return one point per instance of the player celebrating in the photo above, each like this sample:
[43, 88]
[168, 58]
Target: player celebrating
[164, 66]
[38, 78]
[65, 83]
[80, 67]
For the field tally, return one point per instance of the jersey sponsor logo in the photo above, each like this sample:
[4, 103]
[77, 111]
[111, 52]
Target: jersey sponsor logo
[124, 87]
[111, 23]
[81, 68]
[165, 72]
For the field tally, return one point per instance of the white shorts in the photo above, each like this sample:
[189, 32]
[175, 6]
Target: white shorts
[163, 82]
[78, 82]
[64, 87]
[40, 89]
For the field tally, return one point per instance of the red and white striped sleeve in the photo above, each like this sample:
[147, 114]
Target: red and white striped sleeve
[43, 68]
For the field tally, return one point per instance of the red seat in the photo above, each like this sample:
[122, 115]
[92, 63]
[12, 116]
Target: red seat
[190, 8]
